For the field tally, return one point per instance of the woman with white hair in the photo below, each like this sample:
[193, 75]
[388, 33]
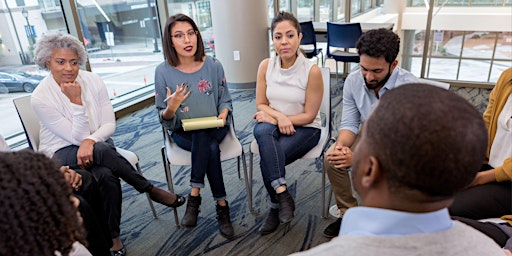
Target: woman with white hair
[77, 121]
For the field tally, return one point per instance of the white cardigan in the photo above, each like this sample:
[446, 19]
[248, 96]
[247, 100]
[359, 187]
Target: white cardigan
[64, 123]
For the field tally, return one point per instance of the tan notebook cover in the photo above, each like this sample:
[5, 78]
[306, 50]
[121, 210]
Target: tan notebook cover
[201, 123]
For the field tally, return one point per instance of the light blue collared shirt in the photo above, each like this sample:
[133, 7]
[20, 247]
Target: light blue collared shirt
[358, 101]
[383, 222]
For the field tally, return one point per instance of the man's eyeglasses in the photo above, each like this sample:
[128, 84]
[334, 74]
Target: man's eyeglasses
[181, 36]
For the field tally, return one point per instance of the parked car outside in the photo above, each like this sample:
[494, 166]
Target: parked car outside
[27, 75]
[17, 83]
[3, 89]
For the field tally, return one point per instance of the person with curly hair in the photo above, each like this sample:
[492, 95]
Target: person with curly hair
[189, 84]
[38, 209]
[378, 73]
[77, 122]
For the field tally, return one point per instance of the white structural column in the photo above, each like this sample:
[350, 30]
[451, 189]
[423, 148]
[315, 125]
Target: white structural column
[241, 39]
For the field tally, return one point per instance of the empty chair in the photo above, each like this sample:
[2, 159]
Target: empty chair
[309, 39]
[343, 36]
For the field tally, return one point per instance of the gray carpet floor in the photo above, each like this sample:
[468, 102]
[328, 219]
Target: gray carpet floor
[144, 235]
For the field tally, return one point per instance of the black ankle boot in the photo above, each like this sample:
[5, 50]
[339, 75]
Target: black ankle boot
[190, 217]
[286, 206]
[271, 222]
[225, 227]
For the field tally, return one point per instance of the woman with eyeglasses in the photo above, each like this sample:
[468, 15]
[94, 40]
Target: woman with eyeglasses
[289, 91]
[77, 122]
[189, 84]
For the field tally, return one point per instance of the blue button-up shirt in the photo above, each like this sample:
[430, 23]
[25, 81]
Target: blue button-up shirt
[358, 101]
[383, 222]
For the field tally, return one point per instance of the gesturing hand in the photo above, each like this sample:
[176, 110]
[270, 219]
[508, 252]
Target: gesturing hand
[175, 99]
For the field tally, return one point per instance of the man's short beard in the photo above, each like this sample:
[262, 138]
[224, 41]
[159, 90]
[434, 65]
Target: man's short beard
[380, 83]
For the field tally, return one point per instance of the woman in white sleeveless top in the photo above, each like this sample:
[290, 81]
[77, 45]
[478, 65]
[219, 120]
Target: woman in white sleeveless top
[289, 92]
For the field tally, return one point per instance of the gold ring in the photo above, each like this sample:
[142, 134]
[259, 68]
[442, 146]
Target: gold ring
[87, 162]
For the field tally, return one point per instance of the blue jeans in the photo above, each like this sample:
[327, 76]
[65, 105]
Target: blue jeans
[204, 147]
[278, 150]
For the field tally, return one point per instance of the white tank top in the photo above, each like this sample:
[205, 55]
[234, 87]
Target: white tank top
[501, 148]
[286, 88]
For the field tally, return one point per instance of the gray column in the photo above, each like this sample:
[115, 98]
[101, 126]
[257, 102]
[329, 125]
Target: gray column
[241, 39]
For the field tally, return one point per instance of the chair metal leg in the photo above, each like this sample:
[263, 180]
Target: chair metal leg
[168, 176]
[248, 184]
[324, 204]
[147, 194]
[238, 163]
[249, 194]
[336, 72]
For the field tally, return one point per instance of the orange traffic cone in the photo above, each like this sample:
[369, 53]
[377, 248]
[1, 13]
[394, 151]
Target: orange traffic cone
[145, 80]
[115, 94]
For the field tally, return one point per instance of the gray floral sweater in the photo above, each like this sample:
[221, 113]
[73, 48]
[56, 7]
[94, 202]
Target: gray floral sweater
[209, 94]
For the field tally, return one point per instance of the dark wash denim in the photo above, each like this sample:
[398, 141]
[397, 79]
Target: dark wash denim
[278, 150]
[204, 147]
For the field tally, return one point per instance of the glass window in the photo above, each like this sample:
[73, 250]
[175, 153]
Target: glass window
[306, 10]
[123, 41]
[474, 70]
[479, 44]
[460, 55]
[340, 12]
[325, 10]
[200, 12]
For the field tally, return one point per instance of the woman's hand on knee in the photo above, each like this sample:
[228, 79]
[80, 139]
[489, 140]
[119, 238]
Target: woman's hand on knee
[84, 155]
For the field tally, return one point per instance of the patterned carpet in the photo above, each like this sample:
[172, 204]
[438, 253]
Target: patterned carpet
[144, 235]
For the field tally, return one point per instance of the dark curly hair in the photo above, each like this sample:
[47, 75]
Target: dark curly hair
[378, 43]
[38, 217]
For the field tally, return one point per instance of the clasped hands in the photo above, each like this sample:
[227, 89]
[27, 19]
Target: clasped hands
[340, 157]
[73, 178]
[282, 121]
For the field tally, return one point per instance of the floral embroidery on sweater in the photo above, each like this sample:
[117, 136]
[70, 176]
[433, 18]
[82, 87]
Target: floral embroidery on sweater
[204, 86]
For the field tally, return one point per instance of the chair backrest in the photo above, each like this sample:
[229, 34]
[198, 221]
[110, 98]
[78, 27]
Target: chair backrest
[325, 112]
[29, 120]
[343, 35]
[435, 83]
[308, 33]
[325, 107]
